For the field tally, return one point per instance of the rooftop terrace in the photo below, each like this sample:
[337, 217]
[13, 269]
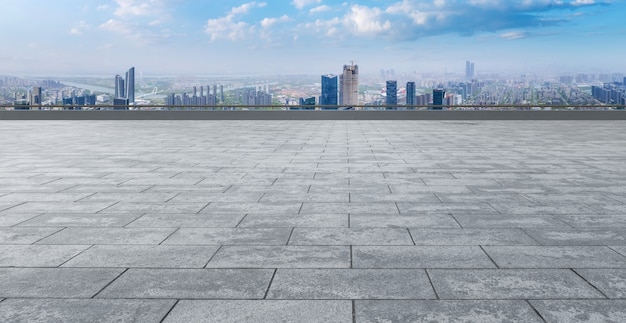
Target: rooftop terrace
[309, 220]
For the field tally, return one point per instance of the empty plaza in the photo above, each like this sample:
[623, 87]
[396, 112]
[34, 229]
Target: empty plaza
[312, 221]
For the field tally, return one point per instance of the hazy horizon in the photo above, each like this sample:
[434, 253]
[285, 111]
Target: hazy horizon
[311, 37]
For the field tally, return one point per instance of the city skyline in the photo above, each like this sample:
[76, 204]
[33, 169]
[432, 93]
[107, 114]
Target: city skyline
[311, 36]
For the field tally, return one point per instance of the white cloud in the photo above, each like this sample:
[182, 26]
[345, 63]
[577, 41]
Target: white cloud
[102, 7]
[268, 22]
[318, 9]
[78, 30]
[513, 35]
[324, 27]
[139, 7]
[116, 26]
[230, 27]
[303, 3]
[366, 21]
[583, 2]
[245, 8]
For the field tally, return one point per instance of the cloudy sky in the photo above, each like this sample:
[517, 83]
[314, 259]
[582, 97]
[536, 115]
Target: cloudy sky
[204, 37]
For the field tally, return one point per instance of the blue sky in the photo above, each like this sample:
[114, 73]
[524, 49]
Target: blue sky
[203, 37]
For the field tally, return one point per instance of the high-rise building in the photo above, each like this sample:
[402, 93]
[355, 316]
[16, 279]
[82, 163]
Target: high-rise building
[410, 93]
[439, 96]
[119, 87]
[349, 85]
[35, 96]
[130, 85]
[392, 93]
[469, 70]
[329, 90]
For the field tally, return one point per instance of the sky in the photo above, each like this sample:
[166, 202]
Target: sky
[210, 37]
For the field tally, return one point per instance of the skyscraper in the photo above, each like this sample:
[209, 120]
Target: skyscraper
[469, 70]
[410, 93]
[36, 96]
[329, 90]
[119, 87]
[130, 85]
[438, 99]
[349, 85]
[392, 93]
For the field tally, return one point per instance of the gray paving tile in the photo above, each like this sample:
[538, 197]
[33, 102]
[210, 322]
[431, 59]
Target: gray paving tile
[190, 284]
[109, 236]
[84, 310]
[416, 189]
[589, 221]
[281, 257]
[272, 208]
[348, 236]
[360, 208]
[510, 284]
[576, 237]
[232, 197]
[526, 209]
[489, 198]
[309, 197]
[572, 311]
[37, 255]
[350, 284]
[444, 311]
[87, 188]
[130, 197]
[81, 220]
[235, 311]
[389, 197]
[616, 208]
[54, 282]
[620, 249]
[469, 237]
[294, 220]
[179, 220]
[59, 207]
[343, 189]
[446, 208]
[508, 221]
[11, 219]
[612, 282]
[230, 236]
[588, 198]
[144, 207]
[419, 257]
[555, 257]
[17, 235]
[42, 197]
[402, 221]
[141, 256]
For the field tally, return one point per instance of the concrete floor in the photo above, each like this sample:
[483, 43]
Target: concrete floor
[313, 221]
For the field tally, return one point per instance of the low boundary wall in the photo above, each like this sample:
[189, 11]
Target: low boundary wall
[312, 115]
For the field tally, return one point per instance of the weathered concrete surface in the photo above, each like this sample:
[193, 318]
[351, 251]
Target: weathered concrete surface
[309, 220]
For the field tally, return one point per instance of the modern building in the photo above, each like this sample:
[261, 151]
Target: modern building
[120, 104]
[35, 97]
[329, 90]
[392, 93]
[349, 85]
[130, 85]
[469, 70]
[305, 104]
[125, 87]
[439, 97]
[410, 93]
[119, 87]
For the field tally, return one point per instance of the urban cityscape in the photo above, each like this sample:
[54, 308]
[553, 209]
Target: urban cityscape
[387, 90]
